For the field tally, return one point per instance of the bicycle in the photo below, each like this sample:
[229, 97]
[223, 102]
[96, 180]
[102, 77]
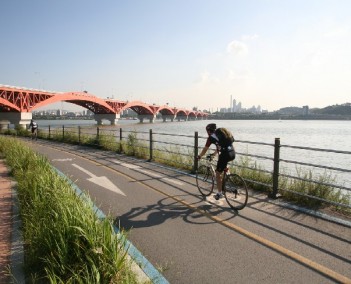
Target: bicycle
[34, 134]
[234, 186]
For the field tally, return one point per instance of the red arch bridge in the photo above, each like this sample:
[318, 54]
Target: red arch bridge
[17, 104]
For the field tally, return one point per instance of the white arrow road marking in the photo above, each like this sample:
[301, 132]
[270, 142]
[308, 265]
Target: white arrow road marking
[102, 181]
[141, 170]
[62, 160]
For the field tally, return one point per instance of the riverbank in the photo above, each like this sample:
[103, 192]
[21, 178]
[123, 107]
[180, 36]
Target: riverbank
[305, 186]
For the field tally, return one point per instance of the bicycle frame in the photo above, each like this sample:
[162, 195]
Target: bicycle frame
[233, 186]
[209, 159]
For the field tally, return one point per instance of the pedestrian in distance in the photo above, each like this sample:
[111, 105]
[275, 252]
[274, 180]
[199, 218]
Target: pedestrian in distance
[223, 139]
[34, 128]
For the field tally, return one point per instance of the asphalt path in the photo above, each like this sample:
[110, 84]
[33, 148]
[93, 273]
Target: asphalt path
[195, 240]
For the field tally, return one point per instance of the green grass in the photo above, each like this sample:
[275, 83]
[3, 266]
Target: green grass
[301, 190]
[251, 171]
[321, 190]
[173, 156]
[65, 242]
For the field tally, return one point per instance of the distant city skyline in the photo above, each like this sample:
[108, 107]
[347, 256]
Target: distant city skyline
[186, 53]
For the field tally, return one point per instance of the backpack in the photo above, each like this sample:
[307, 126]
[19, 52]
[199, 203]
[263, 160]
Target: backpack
[33, 124]
[225, 137]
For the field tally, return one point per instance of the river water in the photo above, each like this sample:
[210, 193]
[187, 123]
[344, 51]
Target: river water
[328, 134]
[321, 134]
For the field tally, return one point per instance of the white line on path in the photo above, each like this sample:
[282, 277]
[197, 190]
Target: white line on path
[141, 170]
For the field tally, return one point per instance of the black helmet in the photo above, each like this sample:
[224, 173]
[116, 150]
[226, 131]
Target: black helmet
[211, 127]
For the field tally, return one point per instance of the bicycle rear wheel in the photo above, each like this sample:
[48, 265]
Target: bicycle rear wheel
[235, 191]
[204, 180]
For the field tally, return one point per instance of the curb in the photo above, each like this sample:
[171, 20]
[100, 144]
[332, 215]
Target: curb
[314, 213]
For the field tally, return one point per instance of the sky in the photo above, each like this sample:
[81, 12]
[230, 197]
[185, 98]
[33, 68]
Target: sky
[188, 53]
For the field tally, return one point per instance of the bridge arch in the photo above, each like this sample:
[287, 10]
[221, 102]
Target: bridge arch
[139, 108]
[182, 112]
[95, 104]
[192, 115]
[166, 110]
[8, 106]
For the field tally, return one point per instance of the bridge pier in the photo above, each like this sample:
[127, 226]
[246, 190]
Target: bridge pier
[112, 117]
[168, 116]
[182, 117]
[150, 117]
[17, 118]
[4, 124]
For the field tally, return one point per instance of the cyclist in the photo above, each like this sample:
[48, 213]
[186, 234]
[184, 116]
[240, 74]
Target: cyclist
[34, 127]
[223, 141]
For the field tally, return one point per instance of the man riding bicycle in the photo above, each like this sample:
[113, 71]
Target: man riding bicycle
[34, 127]
[223, 140]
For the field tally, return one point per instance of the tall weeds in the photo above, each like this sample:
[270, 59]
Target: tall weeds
[319, 189]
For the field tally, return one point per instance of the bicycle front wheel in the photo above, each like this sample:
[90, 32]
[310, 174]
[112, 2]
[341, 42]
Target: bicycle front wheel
[204, 180]
[235, 191]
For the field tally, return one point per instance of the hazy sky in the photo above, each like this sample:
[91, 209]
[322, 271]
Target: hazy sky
[273, 53]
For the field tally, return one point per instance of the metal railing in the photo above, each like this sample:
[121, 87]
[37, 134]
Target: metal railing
[182, 150]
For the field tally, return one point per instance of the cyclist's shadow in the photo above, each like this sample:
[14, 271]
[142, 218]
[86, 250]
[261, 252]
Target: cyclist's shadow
[165, 209]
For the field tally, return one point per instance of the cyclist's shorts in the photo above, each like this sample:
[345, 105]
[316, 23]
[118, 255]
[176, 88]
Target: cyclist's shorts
[223, 160]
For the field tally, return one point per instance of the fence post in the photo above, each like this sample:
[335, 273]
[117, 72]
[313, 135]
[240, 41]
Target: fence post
[196, 151]
[78, 134]
[63, 133]
[49, 133]
[97, 134]
[151, 145]
[276, 159]
[120, 140]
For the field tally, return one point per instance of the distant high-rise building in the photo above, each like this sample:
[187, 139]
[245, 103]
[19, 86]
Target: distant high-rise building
[239, 107]
[231, 102]
[234, 106]
[305, 110]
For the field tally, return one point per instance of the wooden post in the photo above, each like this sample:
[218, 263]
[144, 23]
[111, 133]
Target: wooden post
[196, 151]
[276, 168]
[151, 145]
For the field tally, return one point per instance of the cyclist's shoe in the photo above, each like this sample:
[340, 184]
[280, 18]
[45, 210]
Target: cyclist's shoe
[218, 196]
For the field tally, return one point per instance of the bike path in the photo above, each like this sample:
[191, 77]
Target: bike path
[193, 240]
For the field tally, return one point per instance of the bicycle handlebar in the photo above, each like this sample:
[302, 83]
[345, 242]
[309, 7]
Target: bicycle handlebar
[210, 156]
